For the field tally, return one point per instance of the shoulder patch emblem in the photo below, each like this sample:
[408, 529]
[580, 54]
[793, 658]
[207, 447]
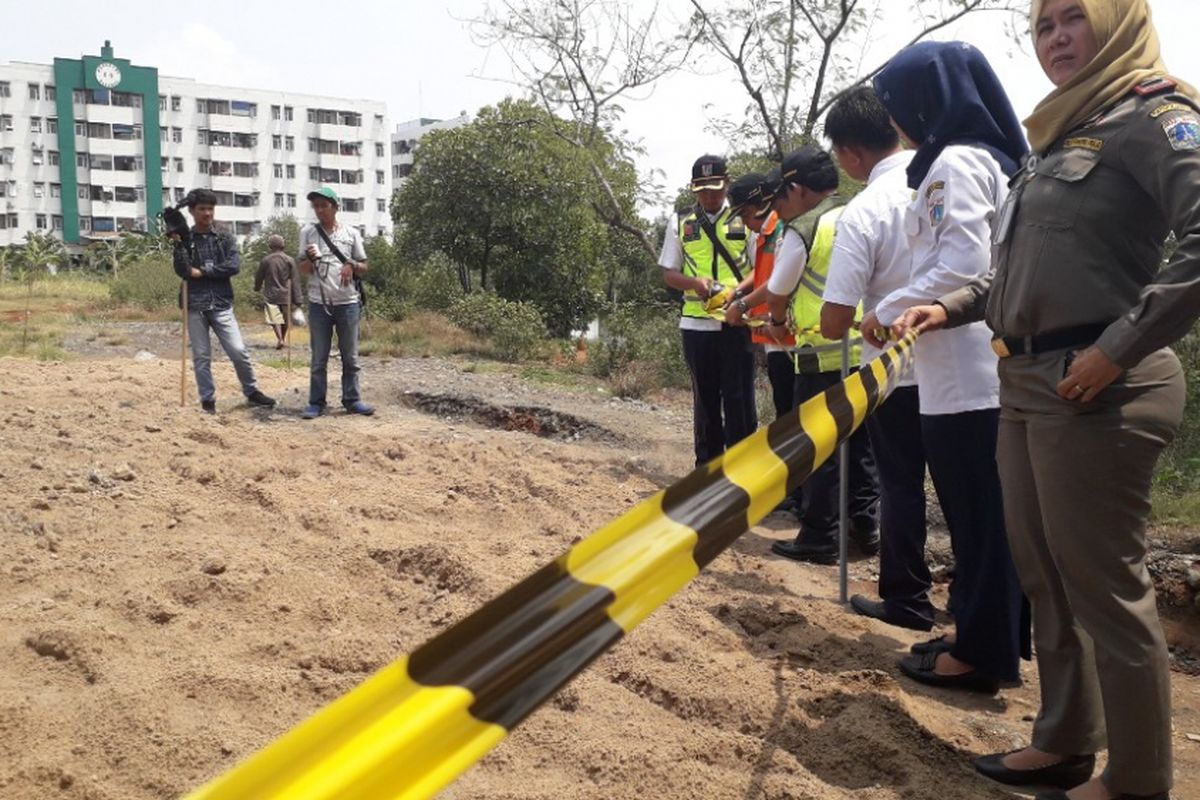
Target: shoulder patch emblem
[1086, 143]
[1154, 86]
[934, 187]
[936, 205]
[1183, 132]
[1166, 108]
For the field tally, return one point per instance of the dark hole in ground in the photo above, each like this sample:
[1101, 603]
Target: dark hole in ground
[527, 419]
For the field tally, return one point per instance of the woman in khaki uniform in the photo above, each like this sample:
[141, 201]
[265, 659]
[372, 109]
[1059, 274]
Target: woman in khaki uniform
[1090, 392]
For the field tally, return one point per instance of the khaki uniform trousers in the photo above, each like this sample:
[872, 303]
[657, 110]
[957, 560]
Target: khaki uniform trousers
[1076, 482]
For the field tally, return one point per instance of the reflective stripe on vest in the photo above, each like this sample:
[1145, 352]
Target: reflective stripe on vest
[764, 264]
[818, 228]
[700, 258]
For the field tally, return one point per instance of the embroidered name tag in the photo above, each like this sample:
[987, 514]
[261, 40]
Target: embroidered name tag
[1183, 132]
[1168, 107]
[1086, 143]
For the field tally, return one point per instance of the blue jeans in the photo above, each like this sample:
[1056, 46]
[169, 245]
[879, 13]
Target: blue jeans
[322, 324]
[225, 326]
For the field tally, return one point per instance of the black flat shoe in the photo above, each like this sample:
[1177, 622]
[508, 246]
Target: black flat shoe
[939, 645]
[798, 551]
[1066, 774]
[257, 398]
[922, 670]
[877, 609]
[867, 541]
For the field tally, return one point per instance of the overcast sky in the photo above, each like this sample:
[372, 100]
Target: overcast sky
[422, 60]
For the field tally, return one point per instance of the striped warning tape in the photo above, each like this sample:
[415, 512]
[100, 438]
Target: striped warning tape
[418, 723]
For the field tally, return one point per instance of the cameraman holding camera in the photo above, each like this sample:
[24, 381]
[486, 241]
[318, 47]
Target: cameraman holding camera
[207, 258]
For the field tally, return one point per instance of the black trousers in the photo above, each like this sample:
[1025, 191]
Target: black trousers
[819, 515]
[723, 403]
[781, 372]
[896, 442]
[991, 616]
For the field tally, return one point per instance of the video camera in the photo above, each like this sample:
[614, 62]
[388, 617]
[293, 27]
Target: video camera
[175, 223]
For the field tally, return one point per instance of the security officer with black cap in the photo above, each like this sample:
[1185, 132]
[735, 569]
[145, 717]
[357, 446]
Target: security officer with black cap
[806, 200]
[704, 256]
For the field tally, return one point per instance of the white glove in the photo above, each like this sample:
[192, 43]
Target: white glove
[298, 317]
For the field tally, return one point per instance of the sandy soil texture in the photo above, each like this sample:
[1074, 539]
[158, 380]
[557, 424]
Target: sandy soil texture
[176, 590]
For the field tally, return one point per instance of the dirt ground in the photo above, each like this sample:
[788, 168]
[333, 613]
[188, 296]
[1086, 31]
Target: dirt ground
[176, 590]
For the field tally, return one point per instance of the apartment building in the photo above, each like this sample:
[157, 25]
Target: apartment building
[408, 134]
[96, 146]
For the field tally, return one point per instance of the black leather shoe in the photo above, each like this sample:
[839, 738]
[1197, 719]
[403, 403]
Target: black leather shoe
[867, 541]
[208, 406]
[799, 551]
[922, 669]
[877, 609]
[257, 398]
[1063, 796]
[1066, 774]
[938, 645]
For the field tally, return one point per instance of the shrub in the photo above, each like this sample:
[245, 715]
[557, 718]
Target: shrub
[640, 350]
[516, 329]
[149, 282]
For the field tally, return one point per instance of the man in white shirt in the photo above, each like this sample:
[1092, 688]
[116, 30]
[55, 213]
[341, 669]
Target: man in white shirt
[332, 255]
[703, 254]
[871, 259]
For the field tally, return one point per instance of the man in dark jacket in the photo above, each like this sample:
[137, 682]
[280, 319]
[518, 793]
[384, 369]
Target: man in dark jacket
[207, 260]
[278, 279]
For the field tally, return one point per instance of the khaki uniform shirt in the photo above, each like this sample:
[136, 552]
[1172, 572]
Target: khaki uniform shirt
[1081, 238]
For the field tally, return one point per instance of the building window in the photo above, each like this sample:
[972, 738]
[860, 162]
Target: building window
[35, 91]
[39, 189]
[52, 158]
[352, 204]
[5, 89]
[276, 142]
[275, 112]
[40, 221]
[240, 108]
[289, 143]
[56, 222]
[291, 198]
[51, 124]
[6, 155]
[162, 102]
[381, 205]
[278, 170]
[287, 113]
[85, 223]
[243, 169]
[166, 162]
[56, 190]
[379, 119]
[39, 156]
[291, 170]
[162, 135]
[84, 192]
[177, 135]
[35, 124]
[379, 150]
[279, 200]
[81, 129]
[178, 164]
[380, 177]
[176, 103]
[178, 190]
[50, 95]
[6, 123]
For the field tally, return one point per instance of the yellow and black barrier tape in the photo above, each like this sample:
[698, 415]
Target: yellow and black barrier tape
[414, 726]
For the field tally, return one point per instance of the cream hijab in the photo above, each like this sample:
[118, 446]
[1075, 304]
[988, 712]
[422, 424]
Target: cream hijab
[1129, 54]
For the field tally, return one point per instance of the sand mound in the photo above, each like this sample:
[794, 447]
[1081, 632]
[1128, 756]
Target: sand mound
[177, 590]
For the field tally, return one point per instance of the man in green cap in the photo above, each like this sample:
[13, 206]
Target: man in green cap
[333, 255]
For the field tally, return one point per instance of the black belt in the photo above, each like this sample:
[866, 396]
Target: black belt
[1061, 339]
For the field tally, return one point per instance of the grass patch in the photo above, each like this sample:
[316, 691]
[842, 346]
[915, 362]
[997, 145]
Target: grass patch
[422, 335]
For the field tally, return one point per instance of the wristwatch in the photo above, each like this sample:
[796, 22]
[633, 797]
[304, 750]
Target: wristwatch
[740, 305]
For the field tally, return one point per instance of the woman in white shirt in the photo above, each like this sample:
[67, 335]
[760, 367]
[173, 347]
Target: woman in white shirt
[945, 98]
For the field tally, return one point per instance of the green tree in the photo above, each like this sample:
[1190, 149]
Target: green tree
[512, 203]
[41, 252]
[256, 249]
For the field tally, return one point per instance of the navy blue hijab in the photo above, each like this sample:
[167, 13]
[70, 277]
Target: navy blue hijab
[944, 93]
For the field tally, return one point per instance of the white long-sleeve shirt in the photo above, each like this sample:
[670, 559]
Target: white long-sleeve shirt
[949, 226]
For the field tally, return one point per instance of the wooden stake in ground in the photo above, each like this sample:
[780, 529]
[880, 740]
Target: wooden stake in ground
[183, 347]
[28, 299]
[290, 324]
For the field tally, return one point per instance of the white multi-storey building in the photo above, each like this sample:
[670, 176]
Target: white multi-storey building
[406, 136]
[95, 146]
